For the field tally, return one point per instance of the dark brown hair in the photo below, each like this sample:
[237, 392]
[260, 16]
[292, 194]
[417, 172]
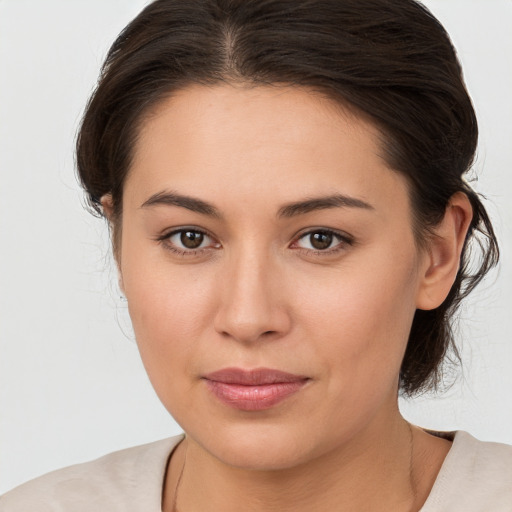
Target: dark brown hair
[388, 59]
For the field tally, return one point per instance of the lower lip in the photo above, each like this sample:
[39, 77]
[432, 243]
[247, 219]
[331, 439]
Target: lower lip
[254, 398]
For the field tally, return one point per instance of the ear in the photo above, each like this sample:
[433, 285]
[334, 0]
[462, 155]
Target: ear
[107, 204]
[442, 257]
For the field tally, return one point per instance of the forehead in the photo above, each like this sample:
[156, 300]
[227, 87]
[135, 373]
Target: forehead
[257, 113]
[233, 139]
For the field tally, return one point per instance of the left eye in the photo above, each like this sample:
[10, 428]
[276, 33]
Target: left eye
[190, 239]
[320, 240]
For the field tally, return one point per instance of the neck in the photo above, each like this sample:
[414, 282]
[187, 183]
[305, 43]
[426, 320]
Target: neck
[378, 470]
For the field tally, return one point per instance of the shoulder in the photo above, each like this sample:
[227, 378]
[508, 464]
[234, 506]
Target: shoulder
[476, 476]
[129, 479]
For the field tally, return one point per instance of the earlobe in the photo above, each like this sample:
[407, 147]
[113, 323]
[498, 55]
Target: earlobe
[107, 204]
[442, 258]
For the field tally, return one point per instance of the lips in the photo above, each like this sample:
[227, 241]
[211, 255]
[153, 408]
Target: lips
[253, 390]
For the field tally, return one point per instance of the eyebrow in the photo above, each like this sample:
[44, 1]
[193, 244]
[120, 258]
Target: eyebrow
[190, 203]
[322, 203]
[166, 198]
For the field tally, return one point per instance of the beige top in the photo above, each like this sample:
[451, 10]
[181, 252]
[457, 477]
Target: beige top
[476, 476]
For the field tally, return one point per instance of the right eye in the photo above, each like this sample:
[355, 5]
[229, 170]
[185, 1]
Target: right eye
[188, 241]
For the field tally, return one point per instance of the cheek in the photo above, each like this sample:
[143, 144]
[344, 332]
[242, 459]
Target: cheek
[169, 306]
[167, 309]
[169, 315]
[361, 319]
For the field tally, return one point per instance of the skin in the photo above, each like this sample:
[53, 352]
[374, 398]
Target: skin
[257, 294]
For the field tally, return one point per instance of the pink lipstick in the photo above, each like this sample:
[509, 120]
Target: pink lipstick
[253, 390]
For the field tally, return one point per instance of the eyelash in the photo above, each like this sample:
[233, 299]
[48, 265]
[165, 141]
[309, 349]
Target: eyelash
[344, 241]
[164, 240]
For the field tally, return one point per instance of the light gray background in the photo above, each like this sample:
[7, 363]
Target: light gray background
[71, 383]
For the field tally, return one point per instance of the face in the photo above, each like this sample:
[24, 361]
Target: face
[268, 259]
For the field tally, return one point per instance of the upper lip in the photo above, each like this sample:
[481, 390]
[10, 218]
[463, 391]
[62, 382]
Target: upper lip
[255, 377]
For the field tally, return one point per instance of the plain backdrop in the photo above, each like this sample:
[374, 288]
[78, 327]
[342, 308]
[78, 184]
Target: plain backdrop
[72, 386]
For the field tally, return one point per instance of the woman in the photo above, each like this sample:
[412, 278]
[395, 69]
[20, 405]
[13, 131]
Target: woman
[284, 181]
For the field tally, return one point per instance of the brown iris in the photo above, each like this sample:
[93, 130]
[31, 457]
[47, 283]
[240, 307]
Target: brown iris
[191, 239]
[321, 240]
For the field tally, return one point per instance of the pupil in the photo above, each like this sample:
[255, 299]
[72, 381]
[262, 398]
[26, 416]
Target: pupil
[191, 239]
[321, 240]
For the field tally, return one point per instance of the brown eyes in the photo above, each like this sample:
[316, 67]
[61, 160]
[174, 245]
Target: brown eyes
[320, 240]
[190, 242]
[191, 239]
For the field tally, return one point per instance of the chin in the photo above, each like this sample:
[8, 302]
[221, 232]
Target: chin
[258, 447]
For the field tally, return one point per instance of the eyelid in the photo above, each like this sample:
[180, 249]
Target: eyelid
[165, 237]
[345, 240]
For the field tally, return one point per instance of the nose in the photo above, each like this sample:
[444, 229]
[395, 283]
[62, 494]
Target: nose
[252, 304]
